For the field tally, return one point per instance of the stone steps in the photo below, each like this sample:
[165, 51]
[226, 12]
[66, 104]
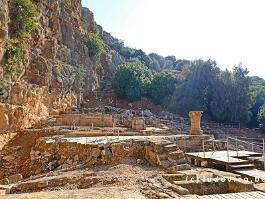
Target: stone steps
[176, 154]
[242, 166]
[170, 147]
[173, 159]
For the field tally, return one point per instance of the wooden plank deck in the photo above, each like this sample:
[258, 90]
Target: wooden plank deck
[223, 154]
[241, 195]
[222, 157]
[253, 174]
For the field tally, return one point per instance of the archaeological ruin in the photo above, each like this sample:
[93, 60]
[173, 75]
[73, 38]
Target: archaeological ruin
[87, 148]
[65, 132]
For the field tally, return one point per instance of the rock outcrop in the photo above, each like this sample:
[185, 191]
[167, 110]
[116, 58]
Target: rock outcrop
[48, 78]
[59, 48]
[3, 29]
[31, 104]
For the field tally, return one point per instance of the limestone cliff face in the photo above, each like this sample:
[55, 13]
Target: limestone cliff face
[3, 28]
[47, 84]
[59, 48]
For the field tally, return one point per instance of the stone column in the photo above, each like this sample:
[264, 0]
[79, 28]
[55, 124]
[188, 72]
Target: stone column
[195, 119]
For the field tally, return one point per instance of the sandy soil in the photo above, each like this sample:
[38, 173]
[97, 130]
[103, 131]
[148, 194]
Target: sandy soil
[92, 193]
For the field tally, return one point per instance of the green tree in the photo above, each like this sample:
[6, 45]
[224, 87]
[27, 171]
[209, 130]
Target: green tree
[257, 93]
[132, 80]
[221, 107]
[261, 117]
[230, 97]
[194, 93]
[242, 98]
[163, 85]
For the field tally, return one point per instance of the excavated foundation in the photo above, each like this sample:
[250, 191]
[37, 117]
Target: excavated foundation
[55, 153]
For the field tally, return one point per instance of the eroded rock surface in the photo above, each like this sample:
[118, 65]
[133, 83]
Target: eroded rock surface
[3, 28]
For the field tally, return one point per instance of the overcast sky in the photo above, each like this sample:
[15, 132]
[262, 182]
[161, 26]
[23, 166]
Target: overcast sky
[228, 31]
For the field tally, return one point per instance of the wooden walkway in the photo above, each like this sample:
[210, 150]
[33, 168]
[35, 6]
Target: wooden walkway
[223, 155]
[241, 195]
[254, 175]
[228, 159]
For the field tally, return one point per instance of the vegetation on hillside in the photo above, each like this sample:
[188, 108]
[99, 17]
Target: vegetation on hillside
[261, 117]
[162, 87]
[132, 80]
[94, 44]
[153, 61]
[183, 85]
[23, 20]
[225, 96]
[257, 93]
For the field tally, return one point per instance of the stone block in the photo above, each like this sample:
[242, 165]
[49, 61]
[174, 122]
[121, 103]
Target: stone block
[4, 181]
[15, 178]
[95, 152]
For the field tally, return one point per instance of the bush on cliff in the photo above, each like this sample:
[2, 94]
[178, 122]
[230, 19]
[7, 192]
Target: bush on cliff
[94, 44]
[23, 20]
[23, 15]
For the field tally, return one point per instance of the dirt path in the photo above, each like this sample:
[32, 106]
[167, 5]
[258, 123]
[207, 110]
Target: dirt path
[92, 193]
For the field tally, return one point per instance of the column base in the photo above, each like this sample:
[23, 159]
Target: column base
[196, 132]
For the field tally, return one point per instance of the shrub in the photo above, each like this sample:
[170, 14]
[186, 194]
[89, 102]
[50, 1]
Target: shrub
[23, 20]
[23, 15]
[94, 44]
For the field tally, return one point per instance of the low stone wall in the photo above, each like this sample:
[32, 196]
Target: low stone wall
[47, 156]
[191, 143]
[136, 123]
[97, 120]
[61, 153]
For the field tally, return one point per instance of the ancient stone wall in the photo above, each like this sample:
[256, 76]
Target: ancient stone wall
[93, 120]
[191, 143]
[138, 123]
[46, 156]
